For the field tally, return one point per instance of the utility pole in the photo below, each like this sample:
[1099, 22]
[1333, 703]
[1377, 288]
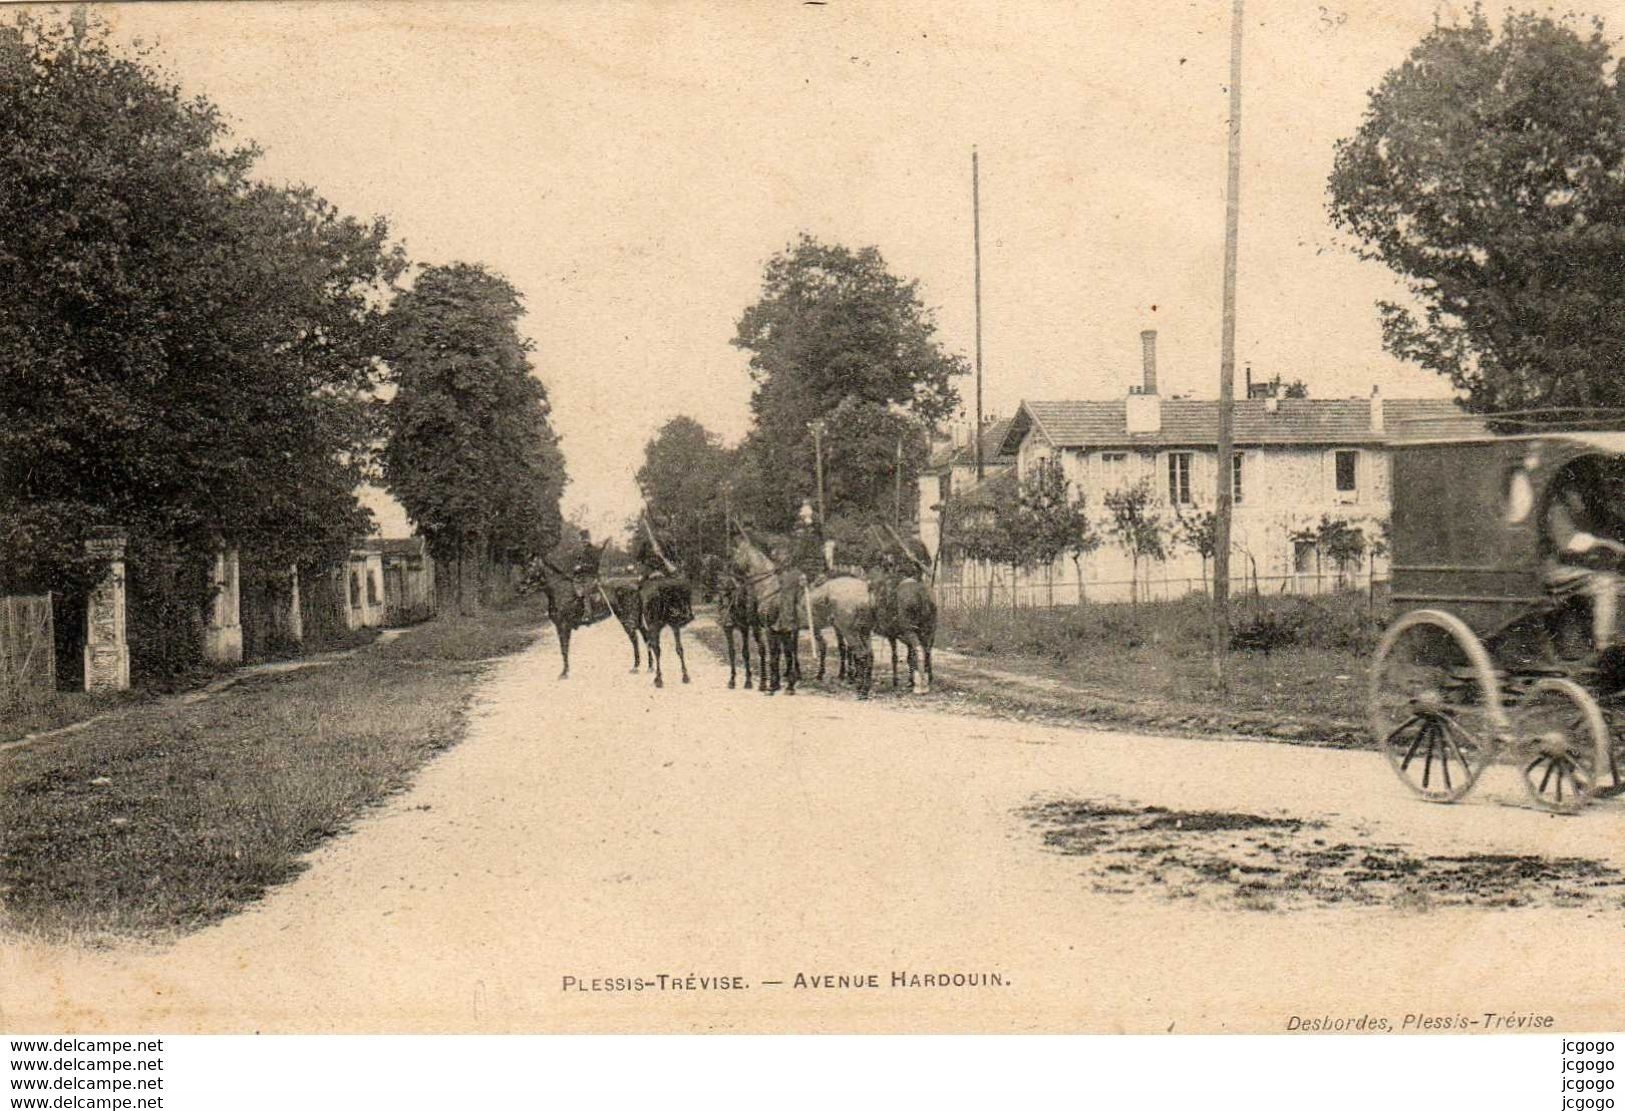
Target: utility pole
[897, 494]
[817, 427]
[1227, 374]
[976, 233]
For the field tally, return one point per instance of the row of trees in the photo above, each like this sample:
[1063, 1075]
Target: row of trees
[835, 340]
[1036, 522]
[199, 356]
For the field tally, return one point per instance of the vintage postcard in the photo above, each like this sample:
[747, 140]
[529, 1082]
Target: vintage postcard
[811, 517]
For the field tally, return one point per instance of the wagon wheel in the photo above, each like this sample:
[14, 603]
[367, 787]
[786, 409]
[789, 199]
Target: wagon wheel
[1610, 782]
[1436, 705]
[1565, 745]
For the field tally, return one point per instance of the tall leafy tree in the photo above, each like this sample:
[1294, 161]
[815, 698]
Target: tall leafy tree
[186, 352]
[470, 454]
[1489, 173]
[836, 335]
[684, 480]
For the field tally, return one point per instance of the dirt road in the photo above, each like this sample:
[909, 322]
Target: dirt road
[982, 875]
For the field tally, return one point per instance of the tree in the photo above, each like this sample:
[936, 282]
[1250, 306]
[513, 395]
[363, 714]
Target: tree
[985, 524]
[188, 353]
[684, 480]
[1280, 387]
[1198, 530]
[1135, 525]
[1052, 523]
[1337, 539]
[471, 455]
[1489, 173]
[836, 335]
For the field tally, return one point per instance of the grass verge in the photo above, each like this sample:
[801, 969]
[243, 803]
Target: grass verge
[1297, 665]
[169, 816]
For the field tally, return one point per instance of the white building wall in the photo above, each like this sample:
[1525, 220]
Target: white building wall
[1285, 489]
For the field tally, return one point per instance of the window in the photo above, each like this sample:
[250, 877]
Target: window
[1179, 477]
[1113, 466]
[1235, 479]
[1305, 556]
[1347, 471]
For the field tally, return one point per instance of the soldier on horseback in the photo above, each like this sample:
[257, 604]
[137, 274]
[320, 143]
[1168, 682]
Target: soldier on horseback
[800, 562]
[584, 571]
[650, 548]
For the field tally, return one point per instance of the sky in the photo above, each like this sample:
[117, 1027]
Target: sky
[631, 166]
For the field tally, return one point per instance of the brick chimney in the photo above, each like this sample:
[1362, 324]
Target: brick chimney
[1377, 423]
[1148, 361]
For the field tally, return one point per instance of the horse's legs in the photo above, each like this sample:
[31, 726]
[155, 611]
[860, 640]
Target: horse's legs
[915, 662]
[893, 642]
[792, 649]
[823, 651]
[770, 639]
[744, 645]
[563, 629]
[631, 632]
[652, 636]
[677, 642]
[761, 658]
[925, 644]
[728, 635]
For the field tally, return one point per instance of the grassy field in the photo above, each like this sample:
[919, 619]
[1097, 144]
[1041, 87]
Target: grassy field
[1293, 658]
[167, 816]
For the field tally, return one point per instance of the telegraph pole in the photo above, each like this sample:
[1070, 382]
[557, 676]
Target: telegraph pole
[976, 234]
[897, 493]
[817, 427]
[1227, 373]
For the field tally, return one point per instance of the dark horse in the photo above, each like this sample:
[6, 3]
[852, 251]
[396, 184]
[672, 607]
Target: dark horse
[627, 605]
[905, 611]
[568, 608]
[736, 613]
[667, 602]
[762, 581]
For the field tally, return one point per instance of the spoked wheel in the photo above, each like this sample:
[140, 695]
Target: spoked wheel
[1610, 784]
[1565, 745]
[1436, 705]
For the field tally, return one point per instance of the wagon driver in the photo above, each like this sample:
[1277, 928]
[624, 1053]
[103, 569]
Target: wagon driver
[1582, 556]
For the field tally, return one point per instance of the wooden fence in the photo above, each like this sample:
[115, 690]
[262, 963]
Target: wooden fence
[27, 647]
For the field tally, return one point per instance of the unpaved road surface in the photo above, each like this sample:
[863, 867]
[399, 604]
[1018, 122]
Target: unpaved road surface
[1071, 880]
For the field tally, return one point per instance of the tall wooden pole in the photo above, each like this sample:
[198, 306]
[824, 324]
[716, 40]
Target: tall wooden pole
[897, 492]
[1227, 373]
[818, 467]
[976, 233]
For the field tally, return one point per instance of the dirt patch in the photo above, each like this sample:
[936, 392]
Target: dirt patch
[1269, 863]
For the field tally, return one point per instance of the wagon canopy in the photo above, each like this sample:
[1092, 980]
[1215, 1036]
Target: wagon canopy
[1466, 533]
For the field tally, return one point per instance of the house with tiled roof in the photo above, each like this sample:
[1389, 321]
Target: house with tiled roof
[1299, 464]
[951, 470]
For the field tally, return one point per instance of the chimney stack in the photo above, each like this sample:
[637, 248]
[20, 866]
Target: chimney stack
[1148, 360]
[1378, 424]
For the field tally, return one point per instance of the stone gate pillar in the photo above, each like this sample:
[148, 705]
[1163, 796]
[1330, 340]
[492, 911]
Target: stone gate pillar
[223, 635]
[107, 651]
[296, 618]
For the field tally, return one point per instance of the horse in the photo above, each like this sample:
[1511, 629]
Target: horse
[627, 605]
[736, 612]
[666, 602]
[568, 610]
[843, 601]
[760, 577]
[905, 610]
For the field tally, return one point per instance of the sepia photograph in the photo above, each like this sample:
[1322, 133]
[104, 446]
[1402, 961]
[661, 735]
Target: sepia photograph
[811, 517]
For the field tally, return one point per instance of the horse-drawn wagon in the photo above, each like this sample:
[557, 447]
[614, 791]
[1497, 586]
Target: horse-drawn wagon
[1491, 657]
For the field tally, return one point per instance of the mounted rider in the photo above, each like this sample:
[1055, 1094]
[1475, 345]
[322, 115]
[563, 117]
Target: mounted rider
[584, 570]
[650, 550]
[800, 561]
